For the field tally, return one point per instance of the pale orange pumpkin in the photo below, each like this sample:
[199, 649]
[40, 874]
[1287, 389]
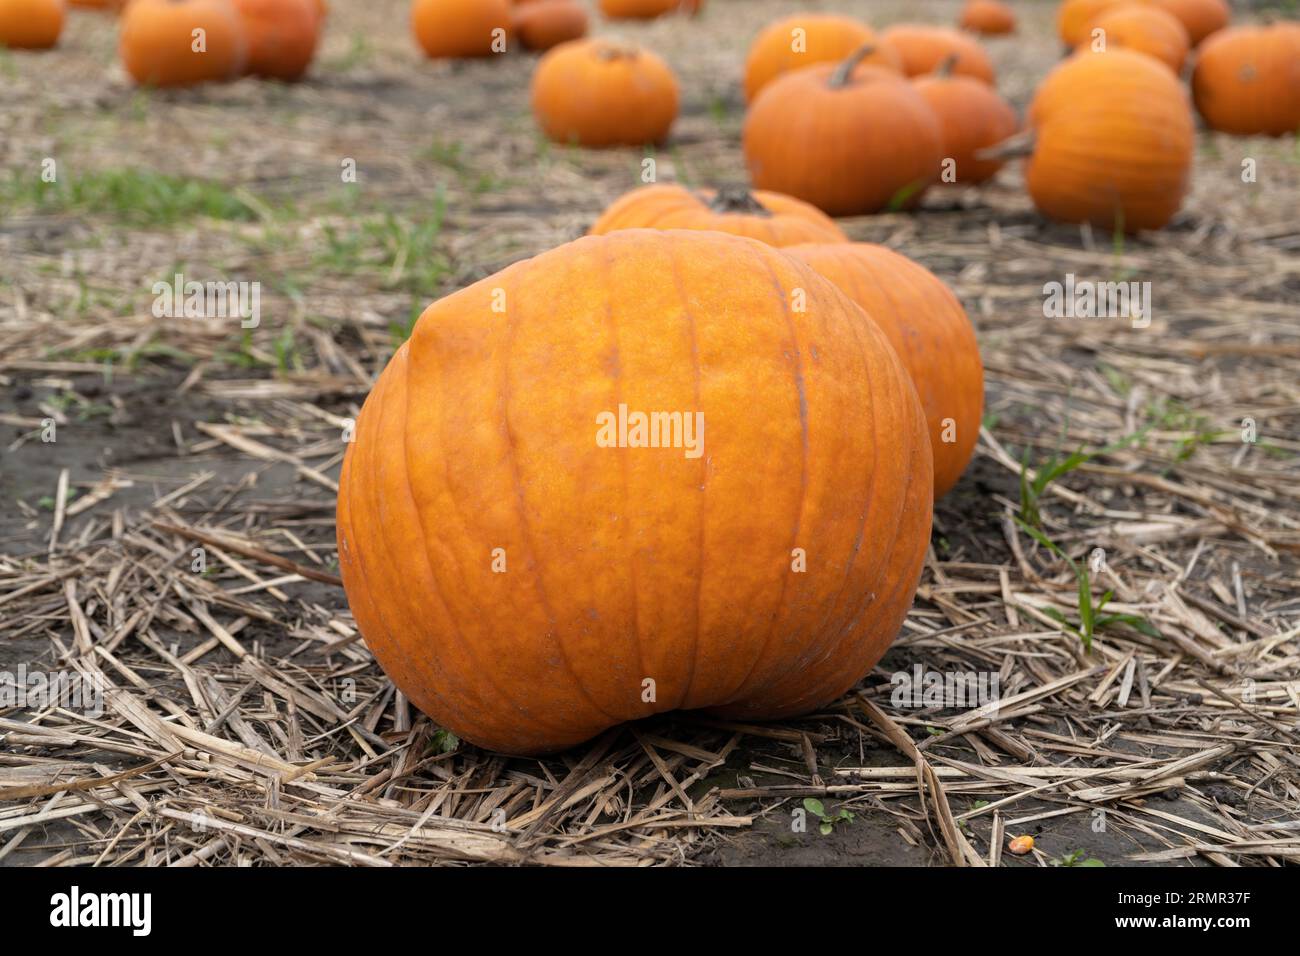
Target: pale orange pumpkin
[1074, 19]
[1200, 17]
[182, 42]
[529, 572]
[922, 48]
[461, 29]
[30, 24]
[928, 329]
[1114, 139]
[630, 94]
[281, 36]
[1247, 80]
[769, 217]
[807, 39]
[1143, 28]
[972, 117]
[637, 9]
[849, 141]
[987, 17]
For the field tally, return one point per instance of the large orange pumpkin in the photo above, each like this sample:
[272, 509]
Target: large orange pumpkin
[923, 48]
[849, 141]
[1247, 80]
[987, 17]
[928, 329]
[461, 29]
[543, 24]
[1200, 17]
[30, 24]
[1113, 141]
[530, 569]
[972, 117]
[769, 217]
[807, 39]
[181, 42]
[1144, 28]
[281, 36]
[629, 96]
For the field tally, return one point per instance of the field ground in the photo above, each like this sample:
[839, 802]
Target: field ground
[247, 723]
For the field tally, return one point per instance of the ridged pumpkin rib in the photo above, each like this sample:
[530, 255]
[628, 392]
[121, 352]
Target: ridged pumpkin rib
[512, 463]
[689, 314]
[799, 388]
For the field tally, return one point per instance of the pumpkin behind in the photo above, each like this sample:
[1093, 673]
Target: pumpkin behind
[807, 39]
[760, 579]
[923, 48]
[1247, 80]
[768, 217]
[460, 29]
[281, 36]
[972, 116]
[30, 24]
[156, 41]
[931, 333]
[988, 18]
[1143, 28]
[543, 24]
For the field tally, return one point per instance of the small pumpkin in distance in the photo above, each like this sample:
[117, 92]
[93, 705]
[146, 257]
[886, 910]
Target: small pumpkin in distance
[156, 42]
[1247, 80]
[543, 24]
[972, 117]
[768, 217]
[461, 29]
[1113, 141]
[30, 24]
[281, 36]
[1143, 28]
[928, 328]
[631, 94]
[628, 562]
[922, 48]
[988, 18]
[805, 40]
[638, 9]
[849, 139]
[1074, 19]
[110, 5]
[1200, 17]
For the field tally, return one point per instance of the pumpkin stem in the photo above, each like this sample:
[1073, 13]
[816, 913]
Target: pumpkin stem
[1019, 144]
[845, 70]
[737, 198]
[949, 64]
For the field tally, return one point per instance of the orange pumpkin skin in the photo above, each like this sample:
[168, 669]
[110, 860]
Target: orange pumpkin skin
[1074, 19]
[972, 116]
[807, 39]
[631, 94]
[628, 563]
[1145, 29]
[281, 36]
[931, 333]
[1114, 141]
[768, 217]
[156, 42]
[460, 29]
[30, 24]
[113, 5]
[923, 48]
[1200, 17]
[848, 150]
[988, 17]
[1247, 80]
[637, 9]
[543, 24]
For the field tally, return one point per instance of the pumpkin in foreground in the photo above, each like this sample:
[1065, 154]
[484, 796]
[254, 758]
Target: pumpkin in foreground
[157, 41]
[630, 94]
[30, 24]
[528, 572]
[768, 217]
[1113, 141]
[807, 39]
[929, 330]
[1247, 80]
[850, 140]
